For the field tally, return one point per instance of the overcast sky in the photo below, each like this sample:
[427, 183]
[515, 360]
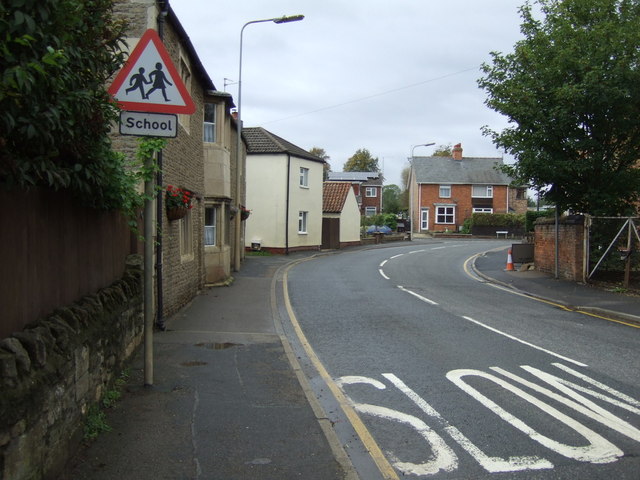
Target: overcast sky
[376, 74]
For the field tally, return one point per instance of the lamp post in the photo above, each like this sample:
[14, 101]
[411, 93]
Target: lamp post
[411, 187]
[278, 20]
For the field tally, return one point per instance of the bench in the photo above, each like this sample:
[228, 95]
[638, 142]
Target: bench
[502, 232]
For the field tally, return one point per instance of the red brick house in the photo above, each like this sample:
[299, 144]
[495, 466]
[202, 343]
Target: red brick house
[366, 185]
[445, 191]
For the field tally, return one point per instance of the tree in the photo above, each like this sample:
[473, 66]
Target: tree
[443, 151]
[571, 92]
[321, 153]
[55, 113]
[391, 199]
[361, 161]
[404, 196]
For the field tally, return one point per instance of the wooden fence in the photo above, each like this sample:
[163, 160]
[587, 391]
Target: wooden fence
[53, 252]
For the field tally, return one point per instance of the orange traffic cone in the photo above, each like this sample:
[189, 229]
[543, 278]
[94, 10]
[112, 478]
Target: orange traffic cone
[509, 262]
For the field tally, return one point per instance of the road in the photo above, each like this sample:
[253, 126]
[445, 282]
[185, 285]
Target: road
[427, 372]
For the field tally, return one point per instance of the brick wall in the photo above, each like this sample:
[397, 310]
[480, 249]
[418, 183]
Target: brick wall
[461, 198]
[571, 247]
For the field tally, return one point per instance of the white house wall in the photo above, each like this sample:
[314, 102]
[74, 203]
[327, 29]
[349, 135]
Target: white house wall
[307, 200]
[266, 198]
[350, 219]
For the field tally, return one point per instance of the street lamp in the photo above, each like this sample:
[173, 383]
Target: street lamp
[278, 20]
[411, 187]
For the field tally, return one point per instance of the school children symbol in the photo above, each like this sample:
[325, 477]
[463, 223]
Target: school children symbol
[149, 82]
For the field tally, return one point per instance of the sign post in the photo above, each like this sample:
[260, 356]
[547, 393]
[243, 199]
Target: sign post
[151, 92]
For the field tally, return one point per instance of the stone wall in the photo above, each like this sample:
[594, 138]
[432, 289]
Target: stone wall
[58, 367]
[571, 247]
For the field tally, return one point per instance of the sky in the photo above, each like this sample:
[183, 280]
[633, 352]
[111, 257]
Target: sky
[380, 75]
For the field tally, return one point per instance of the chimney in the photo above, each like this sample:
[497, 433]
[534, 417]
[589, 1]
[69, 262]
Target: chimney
[457, 151]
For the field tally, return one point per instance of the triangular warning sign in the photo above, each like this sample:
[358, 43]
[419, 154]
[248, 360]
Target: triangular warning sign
[149, 82]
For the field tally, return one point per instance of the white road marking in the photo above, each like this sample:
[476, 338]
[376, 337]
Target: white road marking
[383, 263]
[575, 362]
[437, 248]
[598, 450]
[396, 256]
[444, 459]
[383, 275]
[424, 299]
[490, 464]
[417, 251]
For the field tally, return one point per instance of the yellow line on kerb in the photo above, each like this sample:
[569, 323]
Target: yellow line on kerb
[370, 444]
[467, 269]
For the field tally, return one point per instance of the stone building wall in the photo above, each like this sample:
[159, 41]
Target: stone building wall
[52, 372]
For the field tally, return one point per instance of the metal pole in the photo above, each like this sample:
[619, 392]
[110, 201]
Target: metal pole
[238, 221]
[557, 245]
[148, 278]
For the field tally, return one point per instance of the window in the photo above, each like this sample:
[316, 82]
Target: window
[445, 215]
[424, 219]
[369, 211]
[186, 235]
[185, 75]
[445, 191]
[483, 210]
[209, 133]
[482, 191]
[304, 177]
[302, 222]
[371, 192]
[210, 217]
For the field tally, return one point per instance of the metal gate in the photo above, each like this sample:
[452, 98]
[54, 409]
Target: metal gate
[613, 250]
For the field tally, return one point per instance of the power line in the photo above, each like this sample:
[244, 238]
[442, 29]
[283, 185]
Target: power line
[362, 99]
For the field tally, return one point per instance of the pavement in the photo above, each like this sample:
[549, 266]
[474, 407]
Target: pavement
[229, 400]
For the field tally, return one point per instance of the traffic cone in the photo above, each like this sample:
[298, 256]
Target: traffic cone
[509, 262]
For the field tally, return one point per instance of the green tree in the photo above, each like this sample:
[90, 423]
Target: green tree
[362, 161]
[56, 57]
[571, 92]
[321, 153]
[443, 151]
[391, 199]
[404, 195]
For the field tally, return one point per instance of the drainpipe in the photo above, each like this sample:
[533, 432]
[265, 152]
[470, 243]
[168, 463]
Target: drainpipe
[286, 222]
[159, 210]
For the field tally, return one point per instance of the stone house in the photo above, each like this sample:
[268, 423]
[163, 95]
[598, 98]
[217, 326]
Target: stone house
[197, 249]
[445, 191]
[367, 187]
[340, 216]
[284, 194]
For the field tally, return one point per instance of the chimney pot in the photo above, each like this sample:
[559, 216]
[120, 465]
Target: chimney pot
[457, 151]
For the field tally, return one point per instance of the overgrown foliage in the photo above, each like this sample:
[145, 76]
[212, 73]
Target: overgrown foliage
[571, 93]
[507, 220]
[383, 219]
[55, 114]
[391, 199]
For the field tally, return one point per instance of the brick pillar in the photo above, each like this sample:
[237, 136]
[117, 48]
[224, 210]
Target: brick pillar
[571, 247]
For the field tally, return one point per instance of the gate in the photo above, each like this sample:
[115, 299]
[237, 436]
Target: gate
[613, 250]
[330, 233]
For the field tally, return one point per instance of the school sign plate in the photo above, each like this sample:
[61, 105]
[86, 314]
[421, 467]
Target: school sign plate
[143, 124]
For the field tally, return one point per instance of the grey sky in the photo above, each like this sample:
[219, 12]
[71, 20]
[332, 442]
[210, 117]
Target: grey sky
[381, 75]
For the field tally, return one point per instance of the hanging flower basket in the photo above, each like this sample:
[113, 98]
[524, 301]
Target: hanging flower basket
[244, 213]
[177, 201]
[176, 213]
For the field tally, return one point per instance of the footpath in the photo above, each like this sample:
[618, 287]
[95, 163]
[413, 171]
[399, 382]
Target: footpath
[226, 403]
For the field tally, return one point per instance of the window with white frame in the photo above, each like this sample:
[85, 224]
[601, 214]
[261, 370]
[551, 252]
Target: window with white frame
[482, 210]
[446, 215]
[424, 219]
[370, 211]
[302, 222]
[209, 125]
[304, 177]
[185, 75]
[210, 225]
[371, 192]
[445, 191]
[482, 191]
[186, 235]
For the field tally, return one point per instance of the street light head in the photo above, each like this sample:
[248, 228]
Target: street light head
[291, 18]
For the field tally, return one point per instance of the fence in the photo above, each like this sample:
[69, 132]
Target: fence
[53, 252]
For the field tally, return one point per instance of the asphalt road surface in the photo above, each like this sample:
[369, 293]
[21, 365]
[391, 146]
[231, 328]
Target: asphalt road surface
[428, 372]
